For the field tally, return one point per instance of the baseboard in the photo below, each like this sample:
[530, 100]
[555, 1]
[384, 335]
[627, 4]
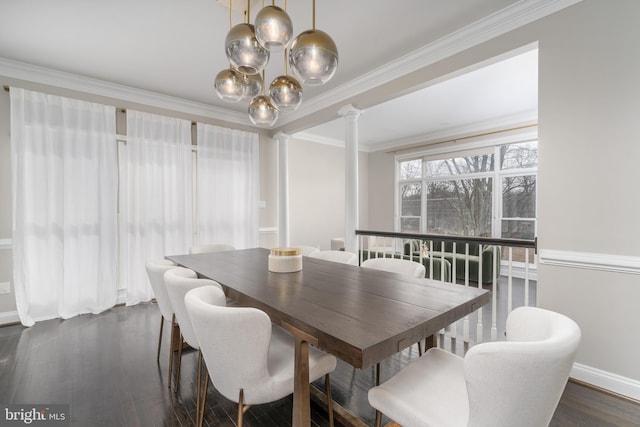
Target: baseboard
[614, 383]
[9, 317]
[122, 296]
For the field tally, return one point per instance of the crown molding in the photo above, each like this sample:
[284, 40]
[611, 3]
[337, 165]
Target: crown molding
[466, 131]
[416, 141]
[310, 137]
[492, 26]
[33, 73]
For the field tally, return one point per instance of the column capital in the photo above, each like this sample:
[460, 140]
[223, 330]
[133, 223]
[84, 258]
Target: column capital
[349, 111]
[282, 137]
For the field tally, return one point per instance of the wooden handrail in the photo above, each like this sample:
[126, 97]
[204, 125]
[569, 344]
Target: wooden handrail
[521, 243]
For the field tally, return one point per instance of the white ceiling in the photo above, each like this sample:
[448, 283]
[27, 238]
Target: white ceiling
[503, 94]
[174, 48]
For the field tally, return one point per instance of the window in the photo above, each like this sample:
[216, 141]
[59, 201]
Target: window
[487, 192]
[518, 170]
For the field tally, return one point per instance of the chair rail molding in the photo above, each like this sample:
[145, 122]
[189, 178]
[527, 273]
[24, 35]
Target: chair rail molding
[591, 261]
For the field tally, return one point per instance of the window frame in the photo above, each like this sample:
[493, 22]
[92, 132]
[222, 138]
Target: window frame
[455, 148]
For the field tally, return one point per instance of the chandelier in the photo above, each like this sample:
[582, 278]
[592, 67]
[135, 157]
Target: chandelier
[312, 56]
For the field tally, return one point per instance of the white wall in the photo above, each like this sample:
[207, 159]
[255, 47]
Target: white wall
[317, 193]
[588, 178]
[381, 178]
[589, 200]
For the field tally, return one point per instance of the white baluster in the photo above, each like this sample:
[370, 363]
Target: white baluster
[465, 323]
[431, 259]
[526, 277]
[454, 328]
[494, 289]
[442, 270]
[510, 286]
[479, 327]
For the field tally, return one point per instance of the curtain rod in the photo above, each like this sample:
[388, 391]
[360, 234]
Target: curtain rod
[465, 137]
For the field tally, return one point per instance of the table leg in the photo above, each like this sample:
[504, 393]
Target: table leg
[301, 416]
[301, 409]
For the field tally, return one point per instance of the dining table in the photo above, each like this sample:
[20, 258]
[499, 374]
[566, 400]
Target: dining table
[360, 315]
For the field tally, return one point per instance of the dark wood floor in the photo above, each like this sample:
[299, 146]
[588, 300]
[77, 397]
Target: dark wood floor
[104, 367]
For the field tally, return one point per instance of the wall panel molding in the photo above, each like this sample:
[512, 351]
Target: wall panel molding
[591, 261]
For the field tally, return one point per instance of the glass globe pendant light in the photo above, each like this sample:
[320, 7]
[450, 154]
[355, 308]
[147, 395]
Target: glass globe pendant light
[313, 55]
[274, 28]
[285, 91]
[243, 49]
[262, 112]
[229, 85]
[251, 85]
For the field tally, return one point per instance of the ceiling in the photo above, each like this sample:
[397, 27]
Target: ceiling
[171, 50]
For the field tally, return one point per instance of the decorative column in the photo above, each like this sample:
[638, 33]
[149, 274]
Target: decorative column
[350, 114]
[283, 189]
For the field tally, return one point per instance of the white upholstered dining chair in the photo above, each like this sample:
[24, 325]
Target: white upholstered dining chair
[179, 281]
[336, 256]
[249, 360]
[306, 250]
[396, 265]
[212, 247]
[517, 382]
[399, 266]
[155, 272]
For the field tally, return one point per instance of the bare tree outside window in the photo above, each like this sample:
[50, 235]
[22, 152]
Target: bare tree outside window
[460, 206]
[459, 193]
[411, 169]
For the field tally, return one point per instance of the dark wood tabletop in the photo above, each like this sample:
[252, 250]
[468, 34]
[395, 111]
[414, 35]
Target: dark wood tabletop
[360, 315]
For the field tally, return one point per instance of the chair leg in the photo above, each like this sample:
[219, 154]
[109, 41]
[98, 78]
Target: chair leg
[240, 407]
[173, 325]
[327, 390]
[378, 418]
[204, 400]
[177, 381]
[160, 338]
[378, 373]
[420, 348]
[198, 387]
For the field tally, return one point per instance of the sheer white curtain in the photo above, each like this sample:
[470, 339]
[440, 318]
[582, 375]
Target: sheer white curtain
[156, 202]
[228, 182]
[65, 181]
